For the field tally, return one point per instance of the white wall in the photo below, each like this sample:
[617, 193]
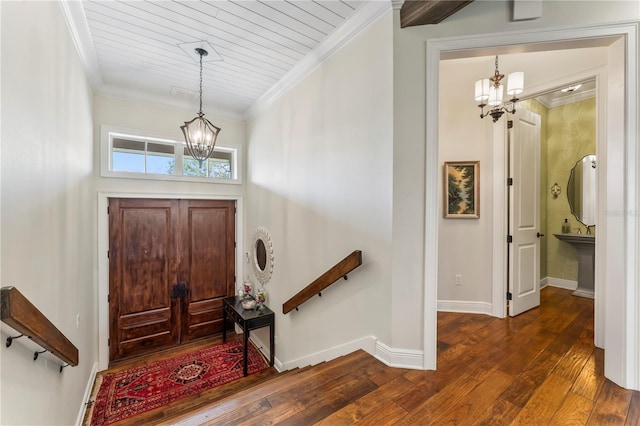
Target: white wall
[48, 209]
[463, 244]
[412, 91]
[320, 165]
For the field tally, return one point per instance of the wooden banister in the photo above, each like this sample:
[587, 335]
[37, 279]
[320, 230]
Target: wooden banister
[19, 313]
[340, 270]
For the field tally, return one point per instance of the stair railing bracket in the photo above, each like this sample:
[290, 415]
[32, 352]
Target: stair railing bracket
[10, 339]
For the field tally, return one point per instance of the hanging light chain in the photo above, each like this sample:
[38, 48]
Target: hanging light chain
[202, 53]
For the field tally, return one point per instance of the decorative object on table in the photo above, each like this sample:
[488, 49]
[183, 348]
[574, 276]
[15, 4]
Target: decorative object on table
[247, 287]
[249, 303]
[262, 255]
[134, 391]
[489, 91]
[462, 189]
[555, 190]
[261, 297]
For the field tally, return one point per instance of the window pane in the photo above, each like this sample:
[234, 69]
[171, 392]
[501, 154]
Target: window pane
[160, 159]
[160, 165]
[190, 167]
[128, 162]
[219, 168]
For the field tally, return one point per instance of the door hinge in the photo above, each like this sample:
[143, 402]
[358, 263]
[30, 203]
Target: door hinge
[234, 279]
[108, 342]
[509, 296]
[509, 181]
[235, 244]
[107, 254]
[108, 298]
[509, 238]
[107, 209]
[510, 124]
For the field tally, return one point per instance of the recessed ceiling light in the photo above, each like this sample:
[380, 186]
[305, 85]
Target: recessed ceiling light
[571, 88]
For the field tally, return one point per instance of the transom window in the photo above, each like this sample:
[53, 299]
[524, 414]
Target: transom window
[133, 155]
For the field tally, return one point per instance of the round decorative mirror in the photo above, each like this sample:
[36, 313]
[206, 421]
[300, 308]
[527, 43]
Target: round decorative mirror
[581, 190]
[262, 255]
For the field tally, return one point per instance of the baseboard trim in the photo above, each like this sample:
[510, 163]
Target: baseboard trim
[400, 358]
[87, 394]
[561, 283]
[466, 307]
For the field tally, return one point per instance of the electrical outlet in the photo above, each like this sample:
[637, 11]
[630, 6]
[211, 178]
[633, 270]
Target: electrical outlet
[458, 279]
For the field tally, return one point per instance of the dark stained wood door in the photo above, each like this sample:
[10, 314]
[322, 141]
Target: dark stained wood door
[171, 263]
[207, 264]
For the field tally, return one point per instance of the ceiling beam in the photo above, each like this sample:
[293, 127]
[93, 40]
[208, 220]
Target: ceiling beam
[423, 12]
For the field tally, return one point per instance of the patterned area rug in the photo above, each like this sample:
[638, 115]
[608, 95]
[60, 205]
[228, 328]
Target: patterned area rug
[137, 390]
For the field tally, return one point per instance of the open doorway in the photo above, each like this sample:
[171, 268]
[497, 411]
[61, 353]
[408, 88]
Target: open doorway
[620, 367]
[480, 139]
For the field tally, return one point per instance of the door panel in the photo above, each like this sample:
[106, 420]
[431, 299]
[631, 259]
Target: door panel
[142, 254]
[524, 217]
[208, 258]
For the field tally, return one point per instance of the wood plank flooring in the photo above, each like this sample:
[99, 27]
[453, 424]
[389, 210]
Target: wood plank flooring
[539, 368]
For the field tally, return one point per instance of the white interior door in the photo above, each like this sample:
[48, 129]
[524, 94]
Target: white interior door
[524, 211]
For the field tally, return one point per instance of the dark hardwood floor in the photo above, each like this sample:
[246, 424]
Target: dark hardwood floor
[539, 368]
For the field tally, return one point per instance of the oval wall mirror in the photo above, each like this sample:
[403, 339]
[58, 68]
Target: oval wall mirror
[581, 190]
[262, 255]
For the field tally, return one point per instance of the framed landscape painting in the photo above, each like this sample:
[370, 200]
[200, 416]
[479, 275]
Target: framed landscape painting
[462, 189]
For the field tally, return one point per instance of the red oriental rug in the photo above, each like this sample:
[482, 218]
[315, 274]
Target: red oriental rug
[137, 390]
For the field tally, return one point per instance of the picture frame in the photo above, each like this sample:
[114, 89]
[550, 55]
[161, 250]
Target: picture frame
[462, 189]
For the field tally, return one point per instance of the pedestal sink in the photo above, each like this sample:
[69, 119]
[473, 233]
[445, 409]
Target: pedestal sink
[585, 245]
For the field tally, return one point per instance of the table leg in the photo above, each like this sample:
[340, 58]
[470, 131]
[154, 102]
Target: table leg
[224, 325]
[246, 342]
[272, 343]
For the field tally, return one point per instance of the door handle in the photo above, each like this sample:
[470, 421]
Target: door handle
[176, 291]
[540, 235]
[183, 290]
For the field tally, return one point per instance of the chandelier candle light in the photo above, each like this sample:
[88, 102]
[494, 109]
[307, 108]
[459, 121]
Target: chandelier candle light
[199, 134]
[489, 91]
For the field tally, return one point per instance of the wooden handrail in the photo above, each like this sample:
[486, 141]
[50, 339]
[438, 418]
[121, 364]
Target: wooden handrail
[340, 270]
[19, 313]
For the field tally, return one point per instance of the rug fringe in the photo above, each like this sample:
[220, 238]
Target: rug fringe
[92, 398]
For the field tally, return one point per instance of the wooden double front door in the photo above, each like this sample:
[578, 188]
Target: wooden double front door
[171, 264]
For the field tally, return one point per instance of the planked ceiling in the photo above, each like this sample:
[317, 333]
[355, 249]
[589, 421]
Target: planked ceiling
[145, 49]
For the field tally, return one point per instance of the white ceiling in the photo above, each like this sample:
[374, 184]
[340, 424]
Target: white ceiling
[145, 49]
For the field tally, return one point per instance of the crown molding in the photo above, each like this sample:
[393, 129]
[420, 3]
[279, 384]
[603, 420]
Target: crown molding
[79, 30]
[567, 99]
[365, 16]
[397, 4]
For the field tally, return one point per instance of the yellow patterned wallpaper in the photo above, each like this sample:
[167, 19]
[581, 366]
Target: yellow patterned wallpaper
[570, 132]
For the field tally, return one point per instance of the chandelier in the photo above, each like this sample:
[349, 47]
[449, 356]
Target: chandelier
[199, 134]
[489, 91]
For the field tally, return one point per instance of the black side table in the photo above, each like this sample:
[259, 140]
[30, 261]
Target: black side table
[248, 320]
